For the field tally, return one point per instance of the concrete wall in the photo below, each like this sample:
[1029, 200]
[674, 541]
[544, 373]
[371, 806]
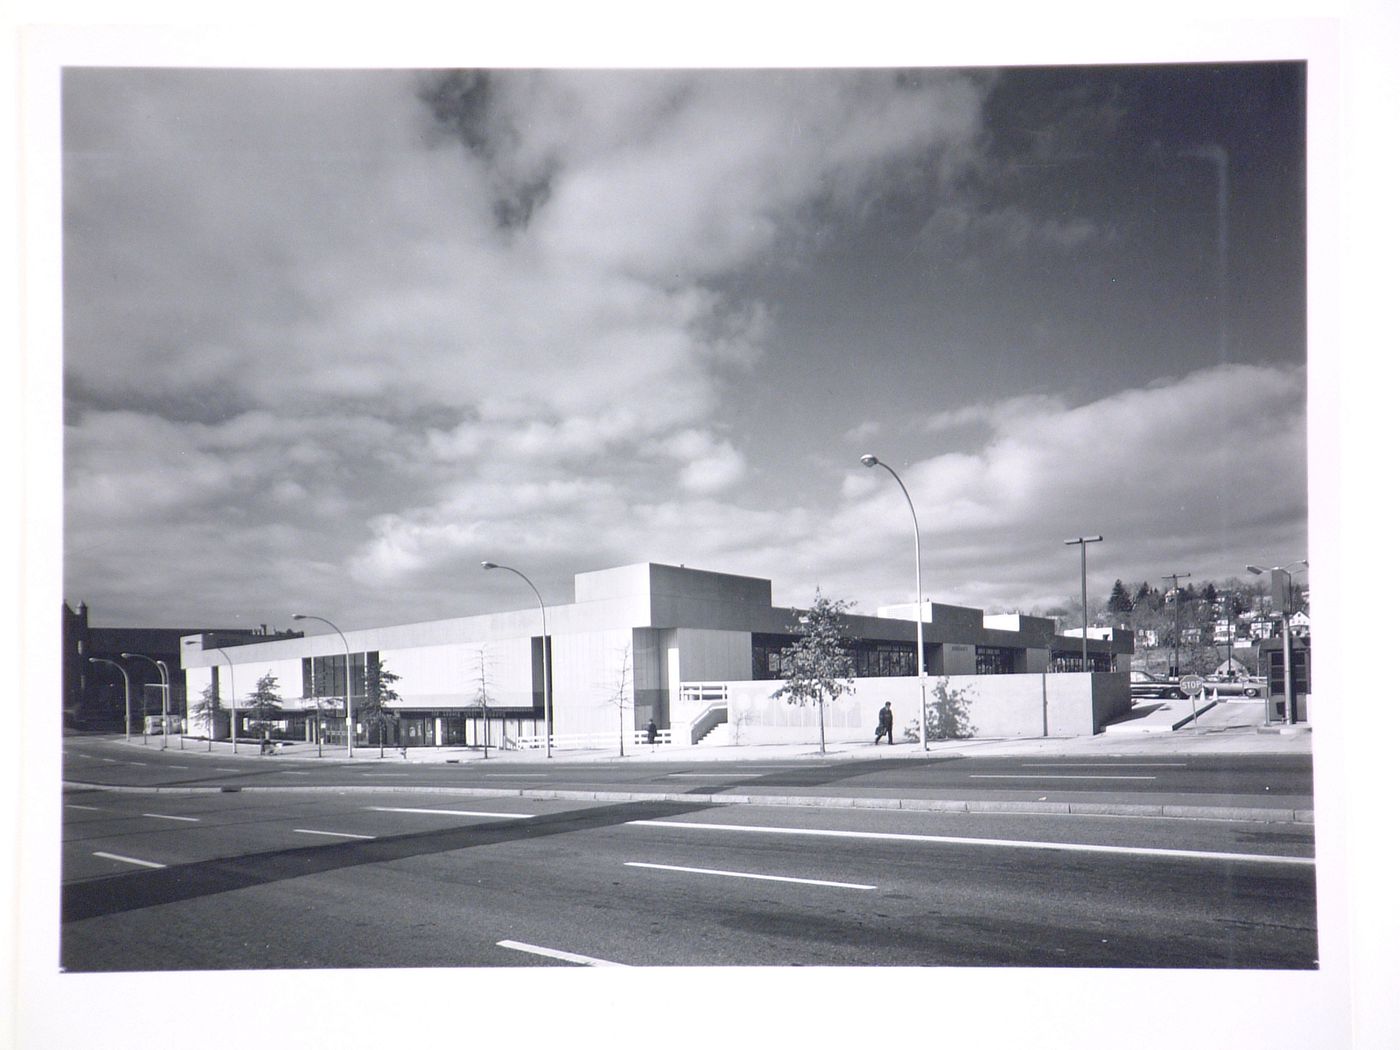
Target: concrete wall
[998, 706]
[584, 674]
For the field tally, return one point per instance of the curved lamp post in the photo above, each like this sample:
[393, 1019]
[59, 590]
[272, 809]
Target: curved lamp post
[872, 461]
[164, 698]
[1285, 614]
[126, 678]
[544, 655]
[232, 702]
[349, 687]
[1084, 542]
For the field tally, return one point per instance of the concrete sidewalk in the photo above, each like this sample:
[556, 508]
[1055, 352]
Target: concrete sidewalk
[1160, 727]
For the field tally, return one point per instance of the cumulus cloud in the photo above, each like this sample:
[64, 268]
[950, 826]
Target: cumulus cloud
[337, 337]
[1210, 465]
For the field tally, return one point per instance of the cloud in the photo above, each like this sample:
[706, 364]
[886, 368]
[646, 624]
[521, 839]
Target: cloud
[1210, 465]
[327, 343]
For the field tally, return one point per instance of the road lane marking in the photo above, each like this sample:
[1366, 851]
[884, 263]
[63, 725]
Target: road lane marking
[177, 767]
[555, 953]
[336, 834]
[725, 776]
[1061, 776]
[750, 875]
[368, 774]
[1103, 765]
[225, 769]
[954, 840]
[166, 816]
[74, 805]
[293, 772]
[129, 763]
[450, 812]
[129, 860]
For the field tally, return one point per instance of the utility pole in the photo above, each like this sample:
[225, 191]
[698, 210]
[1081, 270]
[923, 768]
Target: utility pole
[1176, 578]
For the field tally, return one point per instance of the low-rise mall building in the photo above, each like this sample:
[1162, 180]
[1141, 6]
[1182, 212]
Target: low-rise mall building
[697, 651]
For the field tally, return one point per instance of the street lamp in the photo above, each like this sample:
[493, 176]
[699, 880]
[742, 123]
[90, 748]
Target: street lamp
[126, 679]
[349, 689]
[164, 697]
[232, 702]
[1289, 713]
[1176, 578]
[871, 461]
[544, 656]
[1084, 542]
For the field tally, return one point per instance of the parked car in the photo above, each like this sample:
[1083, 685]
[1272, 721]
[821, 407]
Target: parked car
[1147, 686]
[1235, 685]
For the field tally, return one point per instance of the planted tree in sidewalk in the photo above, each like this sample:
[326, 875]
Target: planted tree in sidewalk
[818, 667]
[483, 700]
[620, 695]
[265, 703]
[373, 707]
[206, 709]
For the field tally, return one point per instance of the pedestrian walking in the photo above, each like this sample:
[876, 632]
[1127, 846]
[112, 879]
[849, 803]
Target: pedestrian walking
[651, 733]
[886, 726]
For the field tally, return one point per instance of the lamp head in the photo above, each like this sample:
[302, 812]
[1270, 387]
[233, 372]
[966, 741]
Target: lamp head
[126, 656]
[489, 565]
[869, 460]
[1255, 569]
[298, 616]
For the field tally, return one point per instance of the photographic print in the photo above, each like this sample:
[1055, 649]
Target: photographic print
[552, 545]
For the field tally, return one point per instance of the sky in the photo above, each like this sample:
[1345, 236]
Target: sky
[333, 338]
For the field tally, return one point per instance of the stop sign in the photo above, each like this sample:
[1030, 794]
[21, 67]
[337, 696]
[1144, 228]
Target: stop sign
[1192, 684]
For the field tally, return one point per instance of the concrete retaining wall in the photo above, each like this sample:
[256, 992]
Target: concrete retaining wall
[995, 706]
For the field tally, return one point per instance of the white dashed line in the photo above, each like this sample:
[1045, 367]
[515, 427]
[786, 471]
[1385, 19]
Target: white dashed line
[750, 875]
[335, 834]
[554, 953]
[166, 816]
[1058, 776]
[450, 812]
[1074, 847]
[1103, 765]
[722, 776]
[129, 860]
[74, 805]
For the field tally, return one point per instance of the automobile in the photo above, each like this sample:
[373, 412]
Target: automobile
[1235, 685]
[1148, 686]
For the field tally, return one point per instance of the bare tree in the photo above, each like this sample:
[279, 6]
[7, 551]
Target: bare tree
[483, 699]
[620, 695]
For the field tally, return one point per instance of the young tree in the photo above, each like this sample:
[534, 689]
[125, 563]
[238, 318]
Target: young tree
[818, 666]
[206, 709]
[483, 700]
[620, 695]
[265, 703]
[373, 707]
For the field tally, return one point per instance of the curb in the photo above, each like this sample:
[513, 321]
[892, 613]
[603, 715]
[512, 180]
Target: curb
[922, 805]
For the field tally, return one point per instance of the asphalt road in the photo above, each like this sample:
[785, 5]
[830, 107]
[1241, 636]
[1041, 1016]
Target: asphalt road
[1261, 780]
[390, 876]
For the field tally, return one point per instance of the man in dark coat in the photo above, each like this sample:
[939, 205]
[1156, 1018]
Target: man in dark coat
[886, 727]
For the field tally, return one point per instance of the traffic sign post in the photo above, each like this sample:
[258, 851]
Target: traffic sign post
[1191, 685]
